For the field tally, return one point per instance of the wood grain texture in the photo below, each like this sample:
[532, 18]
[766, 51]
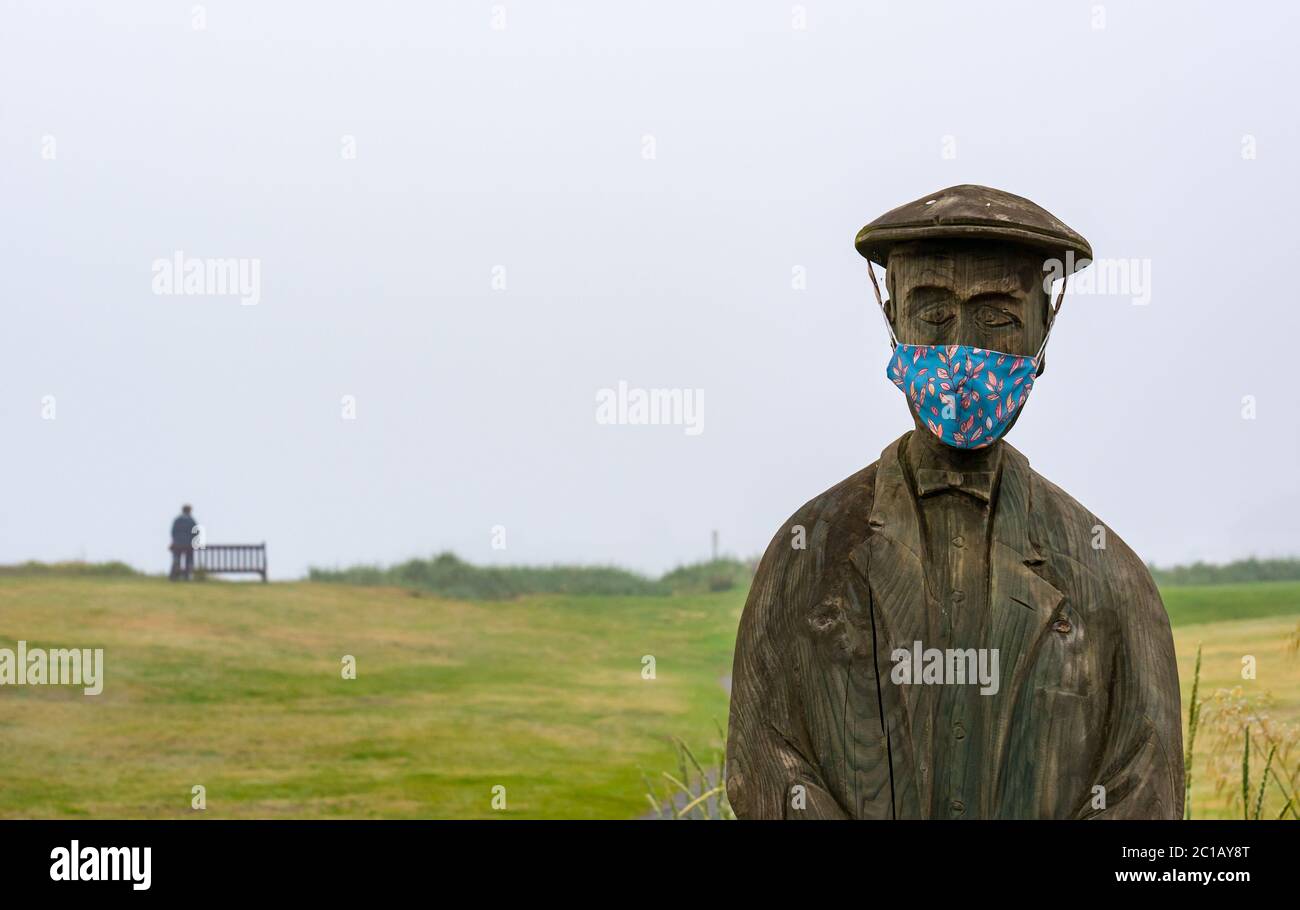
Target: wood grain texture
[813, 704]
[1087, 693]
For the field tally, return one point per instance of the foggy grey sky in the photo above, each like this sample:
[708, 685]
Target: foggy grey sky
[522, 147]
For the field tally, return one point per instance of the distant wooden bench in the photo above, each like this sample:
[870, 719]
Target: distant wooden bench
[227, 558]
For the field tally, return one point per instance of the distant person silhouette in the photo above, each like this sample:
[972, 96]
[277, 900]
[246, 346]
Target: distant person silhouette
[183, 544]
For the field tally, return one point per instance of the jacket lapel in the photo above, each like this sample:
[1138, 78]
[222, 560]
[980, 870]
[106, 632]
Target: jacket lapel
[1022, 604]
[890, 560]
[892, 557]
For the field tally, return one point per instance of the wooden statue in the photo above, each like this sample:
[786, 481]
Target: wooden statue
[945, 634]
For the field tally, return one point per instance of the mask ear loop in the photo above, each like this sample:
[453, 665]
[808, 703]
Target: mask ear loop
[1051, 323]
[893, 340]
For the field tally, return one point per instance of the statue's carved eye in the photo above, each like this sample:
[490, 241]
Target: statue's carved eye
[938, 314]
[994, 317]
[1062, 625]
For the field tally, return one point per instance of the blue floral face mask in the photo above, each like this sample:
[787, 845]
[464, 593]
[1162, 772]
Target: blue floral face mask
[966, 396]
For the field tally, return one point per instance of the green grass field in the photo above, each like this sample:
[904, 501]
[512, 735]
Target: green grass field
[237, 687]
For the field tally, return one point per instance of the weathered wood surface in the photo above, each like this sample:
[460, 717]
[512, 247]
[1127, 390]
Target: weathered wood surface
[1087, 687]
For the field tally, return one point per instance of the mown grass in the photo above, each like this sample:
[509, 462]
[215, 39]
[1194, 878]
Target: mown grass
[1194, 604]
[237, 687]
[1230, 622]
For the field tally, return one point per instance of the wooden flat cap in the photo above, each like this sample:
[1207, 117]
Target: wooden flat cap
[972, 212]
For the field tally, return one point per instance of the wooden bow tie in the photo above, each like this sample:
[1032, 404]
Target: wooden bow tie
[975, 483]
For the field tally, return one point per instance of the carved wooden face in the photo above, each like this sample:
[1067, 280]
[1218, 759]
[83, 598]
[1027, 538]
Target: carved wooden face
[989, 295]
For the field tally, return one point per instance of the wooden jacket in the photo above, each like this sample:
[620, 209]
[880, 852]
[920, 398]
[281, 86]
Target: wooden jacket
[1086, 720]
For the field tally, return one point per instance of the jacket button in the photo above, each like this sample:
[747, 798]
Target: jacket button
[957, 807]
[959, 541]
[958, 730]
[1062, 626]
